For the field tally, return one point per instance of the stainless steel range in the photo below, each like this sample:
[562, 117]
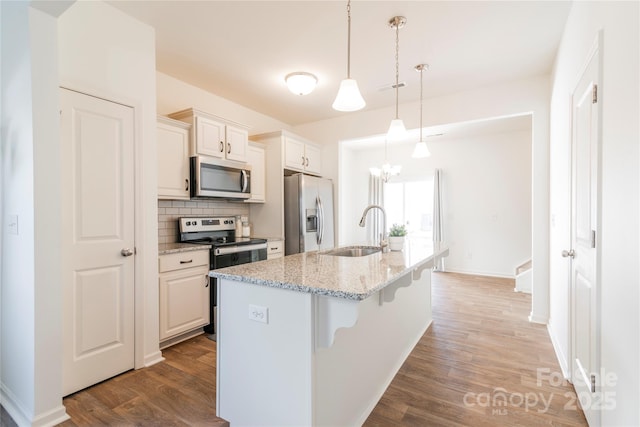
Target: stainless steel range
[226, 250]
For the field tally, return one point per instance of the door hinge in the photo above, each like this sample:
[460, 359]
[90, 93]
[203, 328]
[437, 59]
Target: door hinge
[595, 93]
[593, 383]
[593, 238]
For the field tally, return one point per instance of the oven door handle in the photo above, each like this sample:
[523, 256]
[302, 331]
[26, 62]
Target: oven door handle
[241, 248]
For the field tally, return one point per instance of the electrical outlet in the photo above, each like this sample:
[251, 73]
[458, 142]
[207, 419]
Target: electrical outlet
[258, 313]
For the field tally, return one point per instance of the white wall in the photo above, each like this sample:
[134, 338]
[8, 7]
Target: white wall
[108, 54]
[487, 196]
[619, 275]
[175, 95]
[507, 99]
[30, 338]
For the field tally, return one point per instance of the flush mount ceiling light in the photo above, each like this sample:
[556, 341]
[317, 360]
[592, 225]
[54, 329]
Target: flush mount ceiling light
[301, 83]
[397, 130]
[421, 150]
[348, 97]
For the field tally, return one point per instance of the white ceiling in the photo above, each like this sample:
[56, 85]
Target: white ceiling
[241, 50]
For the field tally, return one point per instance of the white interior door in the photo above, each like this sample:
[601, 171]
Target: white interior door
[584, 286]
[97, 141]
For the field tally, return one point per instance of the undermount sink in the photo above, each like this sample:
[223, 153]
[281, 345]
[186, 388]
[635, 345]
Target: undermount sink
[353, 251]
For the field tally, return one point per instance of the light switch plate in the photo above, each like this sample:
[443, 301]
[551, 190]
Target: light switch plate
[258, 313]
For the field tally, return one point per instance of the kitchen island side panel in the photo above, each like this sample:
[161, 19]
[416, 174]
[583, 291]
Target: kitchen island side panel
[352, 375]
[264, 373]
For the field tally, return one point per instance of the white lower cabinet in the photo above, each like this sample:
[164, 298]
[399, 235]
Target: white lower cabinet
[184, 295]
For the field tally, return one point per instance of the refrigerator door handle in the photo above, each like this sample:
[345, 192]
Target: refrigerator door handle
[320, 233]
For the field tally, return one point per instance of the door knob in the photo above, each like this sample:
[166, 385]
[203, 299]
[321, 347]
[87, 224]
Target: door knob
[126, 252]
[569, 254]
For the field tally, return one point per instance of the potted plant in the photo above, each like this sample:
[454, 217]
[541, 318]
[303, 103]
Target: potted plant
[396, 237]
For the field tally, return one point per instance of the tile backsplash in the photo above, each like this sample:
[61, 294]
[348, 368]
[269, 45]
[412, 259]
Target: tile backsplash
[170, 210]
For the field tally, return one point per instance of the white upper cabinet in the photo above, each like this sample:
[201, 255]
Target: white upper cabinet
[172, 138]
[237, 143]
[214, 136]
[301, 155]
[256, 158]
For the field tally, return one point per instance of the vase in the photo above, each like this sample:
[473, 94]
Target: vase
[396, 243]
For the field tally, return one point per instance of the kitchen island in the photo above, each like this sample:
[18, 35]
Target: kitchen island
[315, 339]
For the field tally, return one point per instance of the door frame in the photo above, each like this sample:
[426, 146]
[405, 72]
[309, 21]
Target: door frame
[595, 53]
[146, 297]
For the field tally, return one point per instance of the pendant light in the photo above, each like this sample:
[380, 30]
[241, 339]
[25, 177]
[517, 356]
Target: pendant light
[348, 97]
[386, 171]
[421, 150]
[397, 130]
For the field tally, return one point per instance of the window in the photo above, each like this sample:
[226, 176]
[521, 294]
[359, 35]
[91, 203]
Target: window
[411, 203]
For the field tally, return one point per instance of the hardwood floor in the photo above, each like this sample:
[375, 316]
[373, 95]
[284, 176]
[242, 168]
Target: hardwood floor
[181, 391]
[481, 363]
[479, 352]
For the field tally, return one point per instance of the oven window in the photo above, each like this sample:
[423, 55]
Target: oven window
[244, 257]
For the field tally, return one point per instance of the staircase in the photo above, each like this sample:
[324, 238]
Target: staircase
[523, 277]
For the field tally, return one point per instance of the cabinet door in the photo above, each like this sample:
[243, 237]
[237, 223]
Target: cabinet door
[209, 137]
[255, 157]
[173, 162]
[313, 155]
[184, 301]
[294, 157]
[237, 142]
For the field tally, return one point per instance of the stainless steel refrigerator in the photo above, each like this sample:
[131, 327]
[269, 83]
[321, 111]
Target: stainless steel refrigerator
[308, 213]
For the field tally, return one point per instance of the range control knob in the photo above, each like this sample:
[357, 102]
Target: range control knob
[194, 222]
[188, 222]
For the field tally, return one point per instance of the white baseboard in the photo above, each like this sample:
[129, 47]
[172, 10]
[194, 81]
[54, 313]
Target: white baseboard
[534, 318]
[153, 358]
[51, 418]
[480, 273]
[562, 358]
[16, 410]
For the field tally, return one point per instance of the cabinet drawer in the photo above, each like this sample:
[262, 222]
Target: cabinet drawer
[182, 260]
[274, 247]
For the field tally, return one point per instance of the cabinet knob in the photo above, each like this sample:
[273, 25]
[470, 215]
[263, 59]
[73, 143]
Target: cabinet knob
[228, 148]
[302, 160]
[221, 147]
[186, 185]
[307, 162]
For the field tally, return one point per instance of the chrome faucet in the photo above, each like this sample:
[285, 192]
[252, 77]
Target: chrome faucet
[383, 236]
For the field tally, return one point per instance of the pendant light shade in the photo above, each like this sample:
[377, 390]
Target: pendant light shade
[421, 150]
[348, 97]
[397, 130]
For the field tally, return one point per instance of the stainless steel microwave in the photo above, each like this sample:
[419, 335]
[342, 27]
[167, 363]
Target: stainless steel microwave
[217, 178]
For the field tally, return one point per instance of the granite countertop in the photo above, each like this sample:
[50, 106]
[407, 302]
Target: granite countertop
[354, 278]
[172, 248]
